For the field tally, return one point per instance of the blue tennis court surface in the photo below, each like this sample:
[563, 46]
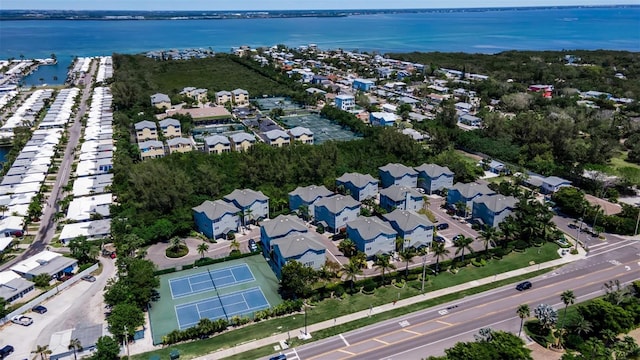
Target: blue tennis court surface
[237, 303]
[210, 280]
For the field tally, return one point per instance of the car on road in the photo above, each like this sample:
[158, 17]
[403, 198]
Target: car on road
[279, 357]
[524, 286]
[89, 278]
[22, 320]
[442, 226]
[39, 309]
[6, 351]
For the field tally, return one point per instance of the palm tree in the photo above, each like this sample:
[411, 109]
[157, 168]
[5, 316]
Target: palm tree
[399, 243]
[568, 298]
[303, 210]
[407, 256]
[582, 326]
[43, 351]
[234, 245]
[383, 263]
[202, 248]
[175, 243]
[4, 208]
[461, 244]
[75, 345]
[488, 235]
[351, 271]
[523, 313]
[359, 259]
[439, 250]
[249, 214]
[348, 247]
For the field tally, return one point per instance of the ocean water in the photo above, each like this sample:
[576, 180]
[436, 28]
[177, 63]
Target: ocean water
[483, 32]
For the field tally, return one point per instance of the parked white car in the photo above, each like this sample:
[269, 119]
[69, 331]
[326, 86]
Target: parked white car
[22, 320]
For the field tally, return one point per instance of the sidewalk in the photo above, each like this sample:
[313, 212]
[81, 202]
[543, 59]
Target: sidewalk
[275, 339]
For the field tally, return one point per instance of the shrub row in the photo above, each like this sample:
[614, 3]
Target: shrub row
[206, 328]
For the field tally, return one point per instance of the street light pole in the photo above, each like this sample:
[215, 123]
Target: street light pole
[637, 221]
[424, 269]
[305, 321]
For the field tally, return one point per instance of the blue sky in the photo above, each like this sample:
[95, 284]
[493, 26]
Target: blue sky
[283, 4]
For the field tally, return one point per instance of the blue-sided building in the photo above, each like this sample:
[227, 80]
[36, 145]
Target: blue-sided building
[401, 197]
[372, 236]
[414, 228]
[398, 174]
[491, 210]
[363, 84]
[280, 227]
[215, 219]
[333, 212]
[433, 178]
[359, 186]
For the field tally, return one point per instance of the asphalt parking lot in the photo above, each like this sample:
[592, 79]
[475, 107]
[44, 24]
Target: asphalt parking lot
[79, 305]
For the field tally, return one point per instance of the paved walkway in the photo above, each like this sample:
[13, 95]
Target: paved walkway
[390, 306]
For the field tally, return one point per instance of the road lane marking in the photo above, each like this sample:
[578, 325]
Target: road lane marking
[417, 334]
[444, 323]
[381, 341]
[404, 323]
[411, 332]
[346, 352]
[344, 340]
[471, 309]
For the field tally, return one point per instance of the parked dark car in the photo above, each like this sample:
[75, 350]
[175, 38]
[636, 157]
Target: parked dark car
[439, 239]
[6, 351]
[442, 226]
[39, 309]
[524, 286]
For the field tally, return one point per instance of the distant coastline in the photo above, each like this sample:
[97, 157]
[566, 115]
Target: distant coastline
[116, 15]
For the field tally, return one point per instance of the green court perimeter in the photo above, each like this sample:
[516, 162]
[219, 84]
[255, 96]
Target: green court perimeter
[162, 314]
[323, 129]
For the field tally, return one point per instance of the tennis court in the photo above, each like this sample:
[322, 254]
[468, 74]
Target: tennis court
[223, 307]
[210, 280]
[323, 129]
[239, 288]
[271, 103]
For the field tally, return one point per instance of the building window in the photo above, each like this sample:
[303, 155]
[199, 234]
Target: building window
[309, 264]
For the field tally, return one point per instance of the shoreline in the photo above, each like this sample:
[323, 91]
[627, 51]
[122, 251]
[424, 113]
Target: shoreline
[141, 15]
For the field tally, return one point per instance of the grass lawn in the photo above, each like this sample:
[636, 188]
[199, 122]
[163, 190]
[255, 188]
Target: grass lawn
[498, 179]
[332, 308]
[619, 166]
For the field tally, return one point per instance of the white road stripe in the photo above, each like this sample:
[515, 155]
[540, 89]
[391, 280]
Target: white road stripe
[345, 340]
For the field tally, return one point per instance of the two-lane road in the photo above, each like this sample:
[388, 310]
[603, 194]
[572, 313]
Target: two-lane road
[430, 331]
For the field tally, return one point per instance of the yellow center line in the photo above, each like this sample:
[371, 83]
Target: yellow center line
[444, 323]
[381, 341]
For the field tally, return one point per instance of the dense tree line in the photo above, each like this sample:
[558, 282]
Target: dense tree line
[542, 67]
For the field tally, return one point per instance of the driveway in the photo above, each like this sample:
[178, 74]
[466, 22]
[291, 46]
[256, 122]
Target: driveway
[156, 252]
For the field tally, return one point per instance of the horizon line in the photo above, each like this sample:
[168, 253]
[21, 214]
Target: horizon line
[355, 9]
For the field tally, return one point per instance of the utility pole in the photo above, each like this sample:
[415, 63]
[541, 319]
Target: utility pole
[306, 334]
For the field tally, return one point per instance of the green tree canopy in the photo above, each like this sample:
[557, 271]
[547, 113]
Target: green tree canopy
[125, 319]
[296, 280]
